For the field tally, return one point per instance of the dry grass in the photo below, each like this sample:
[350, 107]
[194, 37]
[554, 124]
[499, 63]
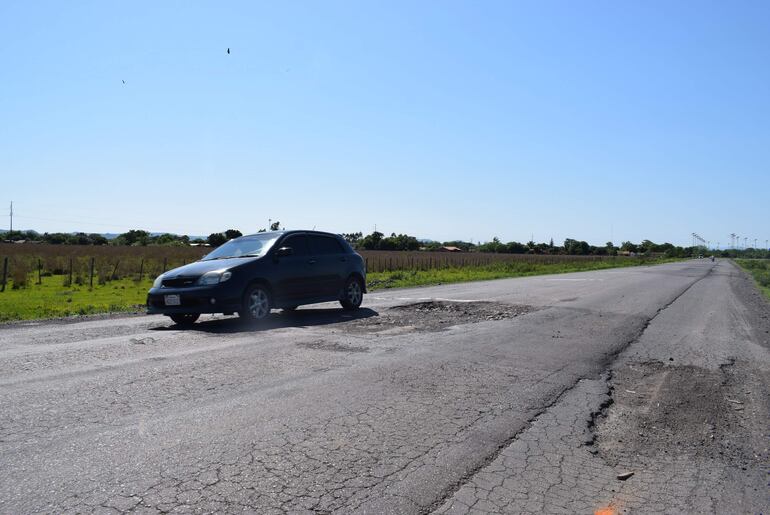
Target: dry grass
[387, 261]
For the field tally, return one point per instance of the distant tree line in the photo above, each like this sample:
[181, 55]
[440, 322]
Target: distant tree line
[378, 241]
[56, 238]
[134, 237]
[573, 247]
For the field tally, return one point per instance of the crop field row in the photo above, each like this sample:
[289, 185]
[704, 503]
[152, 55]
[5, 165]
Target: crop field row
[387, 261]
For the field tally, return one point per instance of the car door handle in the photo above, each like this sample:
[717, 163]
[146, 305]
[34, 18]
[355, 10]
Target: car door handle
[343, 259]
[311, 262]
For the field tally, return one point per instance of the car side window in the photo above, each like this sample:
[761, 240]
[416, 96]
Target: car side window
[297, 242]
[326, 245]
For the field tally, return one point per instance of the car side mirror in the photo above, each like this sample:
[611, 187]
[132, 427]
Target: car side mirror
[284, 251]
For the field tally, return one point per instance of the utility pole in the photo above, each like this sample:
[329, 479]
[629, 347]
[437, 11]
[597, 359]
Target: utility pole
[745, 242]
[755, 243]
[10, 232]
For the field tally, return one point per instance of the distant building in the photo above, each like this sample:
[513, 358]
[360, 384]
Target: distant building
[450, 249]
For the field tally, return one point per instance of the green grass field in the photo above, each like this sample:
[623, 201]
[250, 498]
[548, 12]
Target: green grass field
[52, 299]
[759, 270]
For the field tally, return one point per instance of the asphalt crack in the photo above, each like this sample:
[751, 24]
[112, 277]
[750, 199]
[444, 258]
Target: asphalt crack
[461, 489]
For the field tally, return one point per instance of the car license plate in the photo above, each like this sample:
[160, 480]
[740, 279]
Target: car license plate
[172, 300]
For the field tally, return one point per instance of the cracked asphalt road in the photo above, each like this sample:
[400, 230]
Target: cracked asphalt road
[514, 402]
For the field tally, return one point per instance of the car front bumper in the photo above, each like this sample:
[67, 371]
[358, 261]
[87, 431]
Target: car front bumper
[199, 299]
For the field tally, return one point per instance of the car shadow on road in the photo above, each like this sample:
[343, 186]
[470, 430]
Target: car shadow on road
[276, 320]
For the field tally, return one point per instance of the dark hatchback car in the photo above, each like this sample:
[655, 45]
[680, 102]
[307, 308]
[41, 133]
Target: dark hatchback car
[253, 274]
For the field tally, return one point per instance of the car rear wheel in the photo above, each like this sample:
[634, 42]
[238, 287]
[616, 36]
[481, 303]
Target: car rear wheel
[184, 318]
[256, 304]
[353, 294]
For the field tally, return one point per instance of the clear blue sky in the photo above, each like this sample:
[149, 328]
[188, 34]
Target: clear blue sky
[441, 119]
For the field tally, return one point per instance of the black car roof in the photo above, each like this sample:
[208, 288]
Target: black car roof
[293, 231]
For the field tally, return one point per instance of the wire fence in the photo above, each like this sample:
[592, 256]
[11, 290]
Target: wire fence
[23, 265]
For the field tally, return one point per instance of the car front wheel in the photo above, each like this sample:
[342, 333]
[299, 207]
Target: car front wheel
[353, 294]
[256, 304]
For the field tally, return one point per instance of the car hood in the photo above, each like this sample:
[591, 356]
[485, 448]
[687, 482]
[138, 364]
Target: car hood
[199, 268]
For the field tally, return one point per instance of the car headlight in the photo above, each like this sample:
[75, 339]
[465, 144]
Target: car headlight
[215, 277]
[158, 282]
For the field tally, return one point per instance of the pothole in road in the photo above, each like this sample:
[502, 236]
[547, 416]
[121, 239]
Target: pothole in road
[439, 315]
[676, 410]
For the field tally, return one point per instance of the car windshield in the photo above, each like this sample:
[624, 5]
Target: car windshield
[247, 246]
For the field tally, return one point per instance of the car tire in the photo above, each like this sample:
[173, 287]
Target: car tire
[256, 303]
[184, 319]
[352, 294]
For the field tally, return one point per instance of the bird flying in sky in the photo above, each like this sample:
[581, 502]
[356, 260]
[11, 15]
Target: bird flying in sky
[228, 51]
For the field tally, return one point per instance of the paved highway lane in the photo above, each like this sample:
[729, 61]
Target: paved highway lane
[408, 406]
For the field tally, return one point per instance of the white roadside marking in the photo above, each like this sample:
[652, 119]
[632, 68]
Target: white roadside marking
[574, 279]
[422, 299]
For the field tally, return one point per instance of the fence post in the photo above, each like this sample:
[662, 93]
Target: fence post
[5, 273]
[115, 270]
[141, 269]
[164, 265]
[39, 271]
[91, 274]
[70, 272]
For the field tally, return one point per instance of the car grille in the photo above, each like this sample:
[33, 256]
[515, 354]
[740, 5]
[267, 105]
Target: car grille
[179, 282]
